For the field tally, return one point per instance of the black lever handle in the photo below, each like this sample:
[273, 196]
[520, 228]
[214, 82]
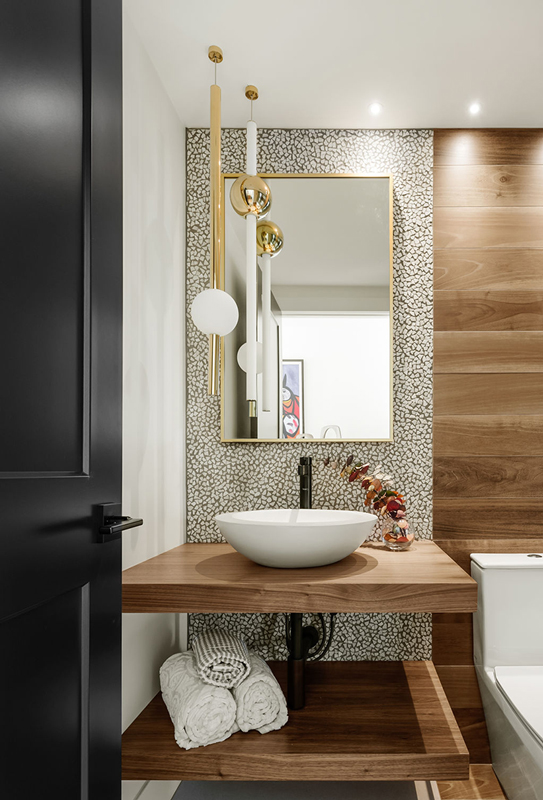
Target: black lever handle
[113, 524]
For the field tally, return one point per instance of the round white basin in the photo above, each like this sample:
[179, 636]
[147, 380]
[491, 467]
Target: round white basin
[296, 538]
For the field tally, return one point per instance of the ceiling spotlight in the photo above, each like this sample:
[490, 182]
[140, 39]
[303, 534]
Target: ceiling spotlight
[375, 108]
[474, 108]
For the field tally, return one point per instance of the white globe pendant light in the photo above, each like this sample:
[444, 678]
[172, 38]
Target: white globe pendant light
[242, 357]
[214, 311]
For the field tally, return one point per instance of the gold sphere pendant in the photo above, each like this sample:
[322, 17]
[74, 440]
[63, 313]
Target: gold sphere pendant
[269, 238]
[250, 195]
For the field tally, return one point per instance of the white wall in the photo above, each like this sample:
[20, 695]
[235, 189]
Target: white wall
[154, 368]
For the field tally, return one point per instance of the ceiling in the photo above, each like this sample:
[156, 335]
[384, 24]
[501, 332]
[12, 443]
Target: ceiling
[320, 63]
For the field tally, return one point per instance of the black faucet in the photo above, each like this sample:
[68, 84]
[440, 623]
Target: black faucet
[304, 471]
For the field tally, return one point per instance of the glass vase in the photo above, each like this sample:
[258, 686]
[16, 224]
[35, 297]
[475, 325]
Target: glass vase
[394, 537]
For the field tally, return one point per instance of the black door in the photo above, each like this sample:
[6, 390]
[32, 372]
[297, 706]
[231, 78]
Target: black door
[60, 397]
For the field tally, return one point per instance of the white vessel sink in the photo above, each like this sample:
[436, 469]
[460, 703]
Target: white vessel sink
[296, 538]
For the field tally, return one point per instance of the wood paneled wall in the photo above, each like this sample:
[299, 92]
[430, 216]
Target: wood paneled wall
[488, 372]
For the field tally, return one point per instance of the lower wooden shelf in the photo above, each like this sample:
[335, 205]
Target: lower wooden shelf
[481, 785]
[362, 721]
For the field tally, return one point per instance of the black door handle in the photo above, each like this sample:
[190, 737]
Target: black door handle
[112, 523]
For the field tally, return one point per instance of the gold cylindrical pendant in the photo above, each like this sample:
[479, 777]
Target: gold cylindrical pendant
[215, 184]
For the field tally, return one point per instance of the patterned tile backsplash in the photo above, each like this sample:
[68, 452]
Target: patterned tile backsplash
[230, 477]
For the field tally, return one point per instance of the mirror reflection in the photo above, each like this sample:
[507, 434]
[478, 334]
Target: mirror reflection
[323, 313]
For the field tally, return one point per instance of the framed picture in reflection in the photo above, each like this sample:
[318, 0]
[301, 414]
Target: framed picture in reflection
[292, 398]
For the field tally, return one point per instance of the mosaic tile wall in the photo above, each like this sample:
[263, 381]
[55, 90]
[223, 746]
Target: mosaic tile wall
[230, 477]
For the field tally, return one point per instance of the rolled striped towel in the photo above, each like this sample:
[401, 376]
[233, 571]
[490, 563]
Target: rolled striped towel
[201, 714]
[221, 658]
[260, 700]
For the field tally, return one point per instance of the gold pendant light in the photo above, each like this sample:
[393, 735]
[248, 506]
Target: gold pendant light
[216, 56]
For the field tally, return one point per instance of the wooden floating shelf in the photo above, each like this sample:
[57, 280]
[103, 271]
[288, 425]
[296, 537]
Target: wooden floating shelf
[363, 721]
[215, 578]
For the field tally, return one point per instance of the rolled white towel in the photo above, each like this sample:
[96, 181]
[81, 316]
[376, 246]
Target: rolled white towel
[201, 714]
[221, 658]
[260, 700]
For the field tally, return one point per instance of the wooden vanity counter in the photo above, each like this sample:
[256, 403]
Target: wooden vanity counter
[362, 721]
[215, 578]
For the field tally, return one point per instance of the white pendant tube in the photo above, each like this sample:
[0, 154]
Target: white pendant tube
[251, 267]
[267, 339]
[251, 148]
[251, 290]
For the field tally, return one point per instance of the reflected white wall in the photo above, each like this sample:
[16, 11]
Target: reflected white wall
[346, 372]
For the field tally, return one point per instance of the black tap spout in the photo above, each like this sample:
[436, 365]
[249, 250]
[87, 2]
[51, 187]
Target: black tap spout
[305, 473]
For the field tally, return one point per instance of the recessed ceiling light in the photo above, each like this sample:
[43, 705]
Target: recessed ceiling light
[375, 108]
[474, 108]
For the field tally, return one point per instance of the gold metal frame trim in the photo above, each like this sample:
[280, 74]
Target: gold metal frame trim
[234, 175]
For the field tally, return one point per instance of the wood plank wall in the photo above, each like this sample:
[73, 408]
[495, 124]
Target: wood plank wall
[488, 372]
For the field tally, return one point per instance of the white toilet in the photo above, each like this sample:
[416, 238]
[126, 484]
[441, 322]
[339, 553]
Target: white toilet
[508, 654]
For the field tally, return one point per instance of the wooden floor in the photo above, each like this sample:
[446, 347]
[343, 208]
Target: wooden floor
[362, 721]
[215, 578]
[481, 785]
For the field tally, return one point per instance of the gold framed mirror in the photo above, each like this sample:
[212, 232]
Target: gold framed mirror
[324, 313]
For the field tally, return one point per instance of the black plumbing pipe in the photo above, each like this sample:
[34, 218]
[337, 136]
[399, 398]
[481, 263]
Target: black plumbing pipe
[296, 663]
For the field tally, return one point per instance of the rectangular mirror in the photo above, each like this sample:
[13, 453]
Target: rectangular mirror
[326, 323]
